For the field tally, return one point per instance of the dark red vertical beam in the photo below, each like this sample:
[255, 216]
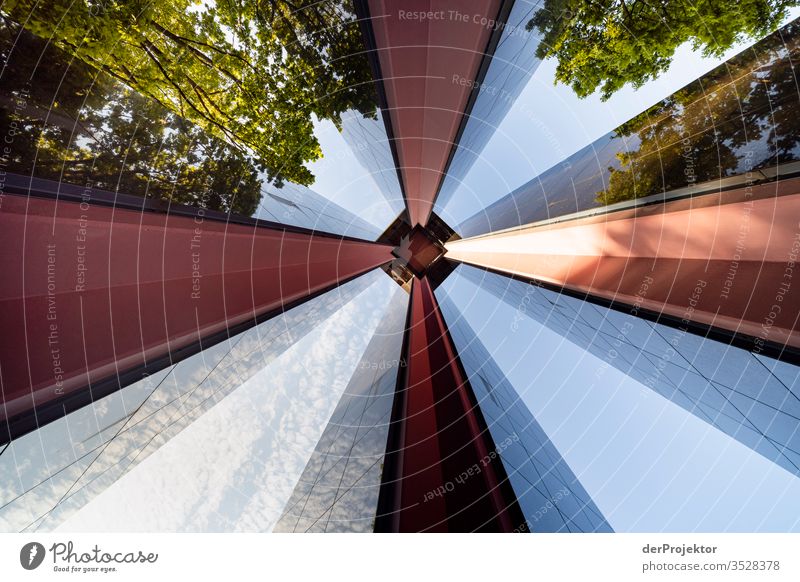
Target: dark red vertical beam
[90, 292]
[444, 474]
[430, 52]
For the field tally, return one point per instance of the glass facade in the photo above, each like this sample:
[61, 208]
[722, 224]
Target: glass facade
[301, 206]
[750, 397]
[50, 473]
[366, 139]
[307, 391]
[338, 490]
[511, 67]
[735, 125]
[550, 496]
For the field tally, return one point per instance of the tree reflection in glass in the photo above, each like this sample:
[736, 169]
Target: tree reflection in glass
[738, 118]
[74, 125]
[253, 73]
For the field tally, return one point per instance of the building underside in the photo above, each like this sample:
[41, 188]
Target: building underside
[138, 303]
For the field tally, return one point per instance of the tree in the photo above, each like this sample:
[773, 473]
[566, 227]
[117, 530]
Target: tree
[79, 126]
[252, 72]
[606, 44]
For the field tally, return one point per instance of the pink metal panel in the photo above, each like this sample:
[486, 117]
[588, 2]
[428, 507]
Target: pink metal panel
[429, 52]
[94, 291]
[726, 260]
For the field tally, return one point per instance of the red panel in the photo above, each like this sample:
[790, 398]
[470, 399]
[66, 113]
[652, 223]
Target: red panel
[727, 260]
[442, 439]
[430, 52]
[418, 250]
[91, 292]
